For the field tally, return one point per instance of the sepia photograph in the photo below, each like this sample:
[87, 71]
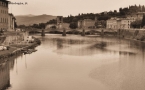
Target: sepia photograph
[72, 44]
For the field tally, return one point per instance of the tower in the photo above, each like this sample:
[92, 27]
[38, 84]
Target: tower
[59, 20]
[96, 19]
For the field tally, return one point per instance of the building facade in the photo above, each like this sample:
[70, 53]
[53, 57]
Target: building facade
[3, 15]
[124, 23]
[86, 23]
[119, 23]
[11, 22]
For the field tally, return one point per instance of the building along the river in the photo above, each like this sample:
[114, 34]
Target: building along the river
[86, 23]
[124, 23]
[119, 23]
[59, 24]
[4, 15]
[11, 22]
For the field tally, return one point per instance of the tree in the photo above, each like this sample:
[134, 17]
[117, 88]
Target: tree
[53, 27]
[35, 26]
[143, 21]
[42, 25]
[73, 25]
[53, 21]
[115, 11]
[21, 26]
[136, 24]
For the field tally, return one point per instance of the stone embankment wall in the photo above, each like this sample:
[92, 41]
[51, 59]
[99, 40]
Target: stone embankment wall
[132, 34]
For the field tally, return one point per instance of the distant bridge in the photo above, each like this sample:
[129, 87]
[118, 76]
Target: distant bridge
[75, 31]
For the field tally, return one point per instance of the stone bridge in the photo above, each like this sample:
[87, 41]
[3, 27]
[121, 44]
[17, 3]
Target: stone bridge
[76, 31]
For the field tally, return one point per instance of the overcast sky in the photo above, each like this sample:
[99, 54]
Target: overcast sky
[67, 7]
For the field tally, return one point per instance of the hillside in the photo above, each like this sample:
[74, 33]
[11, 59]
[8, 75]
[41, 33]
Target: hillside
[33, 19]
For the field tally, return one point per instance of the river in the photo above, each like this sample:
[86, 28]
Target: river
[78, 63]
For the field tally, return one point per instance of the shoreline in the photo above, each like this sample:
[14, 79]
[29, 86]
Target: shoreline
[16, 50]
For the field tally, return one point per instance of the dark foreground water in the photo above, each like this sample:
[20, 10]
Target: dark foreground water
[78, 63]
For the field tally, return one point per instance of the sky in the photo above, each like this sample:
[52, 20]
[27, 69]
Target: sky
[67, 7]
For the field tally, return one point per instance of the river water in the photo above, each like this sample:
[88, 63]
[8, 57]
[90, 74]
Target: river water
[79, 63]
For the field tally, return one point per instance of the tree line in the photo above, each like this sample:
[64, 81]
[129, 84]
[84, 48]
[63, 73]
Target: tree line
[101, 17]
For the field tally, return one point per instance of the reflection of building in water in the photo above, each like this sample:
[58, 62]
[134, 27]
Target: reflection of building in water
[59, 43]
[4, 76]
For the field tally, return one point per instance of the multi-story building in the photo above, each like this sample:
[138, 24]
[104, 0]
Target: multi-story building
[124, 23]
[119, 23]
[3, 14]
[11, 22]
[86, 23]
[112, 23]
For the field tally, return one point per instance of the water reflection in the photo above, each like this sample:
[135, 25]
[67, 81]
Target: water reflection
[5, 66]
[68, 63]
[86, 46]
[4, 75]
[89, 46]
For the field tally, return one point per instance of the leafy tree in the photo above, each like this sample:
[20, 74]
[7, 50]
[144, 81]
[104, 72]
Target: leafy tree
[53, 27]
[143, 21]
[21, 26]
[73, 25]
[136, 24]
[42, 25]
[35, 26]
[53, 21]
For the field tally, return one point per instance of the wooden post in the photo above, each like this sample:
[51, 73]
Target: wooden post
[83, 32]
[43, 33]
[64, 32]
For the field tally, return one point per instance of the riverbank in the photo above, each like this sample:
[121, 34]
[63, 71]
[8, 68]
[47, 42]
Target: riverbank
[137, 35]
[17, 48]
